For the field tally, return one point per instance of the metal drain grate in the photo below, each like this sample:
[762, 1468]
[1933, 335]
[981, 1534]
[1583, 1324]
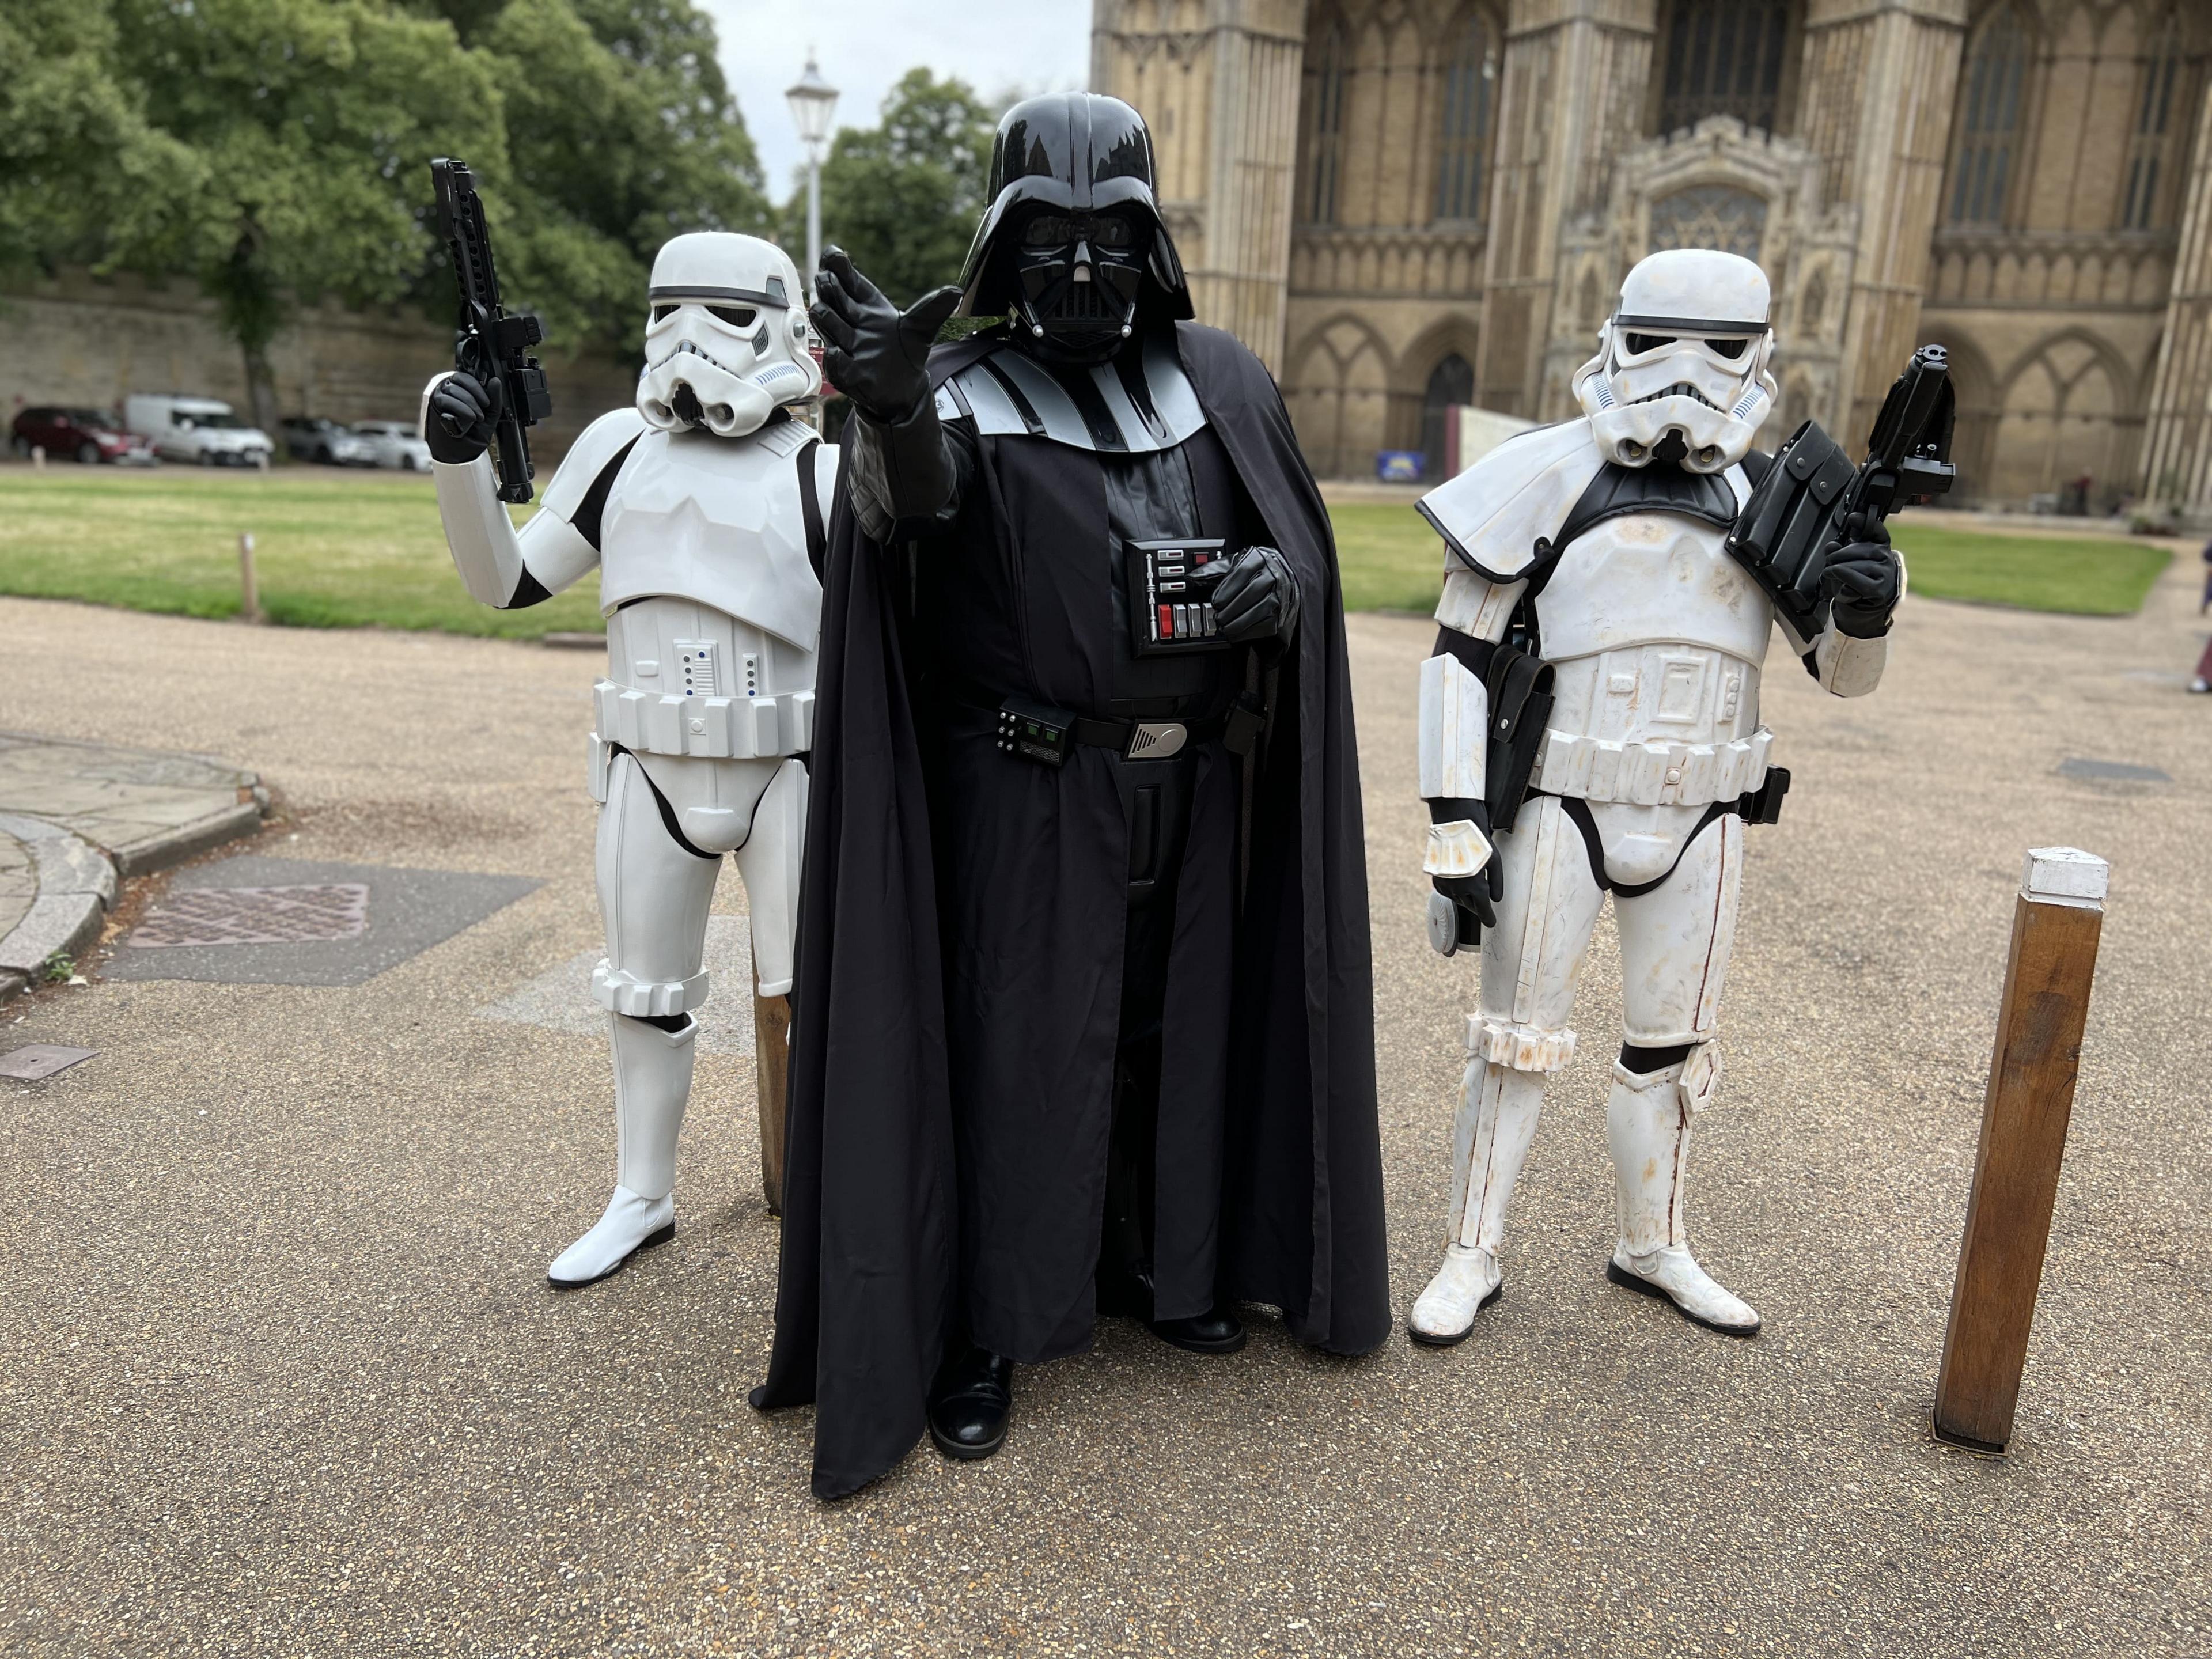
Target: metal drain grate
[255, 915]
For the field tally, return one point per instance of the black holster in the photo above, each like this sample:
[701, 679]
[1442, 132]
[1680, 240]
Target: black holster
[1519, 687]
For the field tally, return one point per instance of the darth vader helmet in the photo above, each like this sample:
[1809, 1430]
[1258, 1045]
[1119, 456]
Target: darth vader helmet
[725, 334]
[1072, 247]
[1680, 373]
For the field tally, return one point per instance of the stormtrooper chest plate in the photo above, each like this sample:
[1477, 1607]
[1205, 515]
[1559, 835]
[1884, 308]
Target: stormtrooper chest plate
[1655, 636]
[718, 521]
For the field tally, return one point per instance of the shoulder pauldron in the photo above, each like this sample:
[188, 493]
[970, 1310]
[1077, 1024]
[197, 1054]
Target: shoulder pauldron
[1139, 403]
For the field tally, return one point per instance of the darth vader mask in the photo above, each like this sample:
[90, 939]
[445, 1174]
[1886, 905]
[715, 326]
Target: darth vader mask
[1080, 275]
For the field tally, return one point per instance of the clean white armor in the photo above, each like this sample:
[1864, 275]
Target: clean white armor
[1656, 639]
[702, 508]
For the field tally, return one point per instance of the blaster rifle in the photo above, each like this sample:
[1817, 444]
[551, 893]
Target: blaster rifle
[491, 345]
[1798, 512]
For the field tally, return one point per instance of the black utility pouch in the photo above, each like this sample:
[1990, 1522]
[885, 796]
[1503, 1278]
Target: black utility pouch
[1036, 731]
[1783, 535]
[1520, 692]
[1171, 587]
[1763, 804]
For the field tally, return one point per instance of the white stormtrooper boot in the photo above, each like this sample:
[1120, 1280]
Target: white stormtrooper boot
[652, 1080]
[1497, 1111]
[1648, 1122]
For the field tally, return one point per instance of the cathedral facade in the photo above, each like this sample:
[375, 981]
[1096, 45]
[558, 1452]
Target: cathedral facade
[1403, 204]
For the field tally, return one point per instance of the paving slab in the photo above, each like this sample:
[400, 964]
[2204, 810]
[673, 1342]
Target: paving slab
[384, 916]
[146, 809]
[280, 1374]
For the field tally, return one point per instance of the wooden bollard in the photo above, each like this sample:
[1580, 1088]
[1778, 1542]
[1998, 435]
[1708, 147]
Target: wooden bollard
[772, 1074]
[2054, 929]
[249, 585]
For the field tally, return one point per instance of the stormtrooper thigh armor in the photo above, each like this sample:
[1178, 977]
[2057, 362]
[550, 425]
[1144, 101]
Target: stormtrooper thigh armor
[1674, 944]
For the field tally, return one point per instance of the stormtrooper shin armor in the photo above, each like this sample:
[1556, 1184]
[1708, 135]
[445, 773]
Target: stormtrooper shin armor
[702, 508]
[1599, 545]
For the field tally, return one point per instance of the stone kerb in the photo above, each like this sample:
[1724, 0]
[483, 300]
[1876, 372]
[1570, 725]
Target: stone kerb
[76, 818]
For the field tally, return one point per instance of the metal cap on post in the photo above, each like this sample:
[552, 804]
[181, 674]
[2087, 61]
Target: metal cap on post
[2057, 921]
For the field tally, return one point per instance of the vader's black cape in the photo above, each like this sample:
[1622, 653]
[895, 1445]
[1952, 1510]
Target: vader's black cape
[867, 1294]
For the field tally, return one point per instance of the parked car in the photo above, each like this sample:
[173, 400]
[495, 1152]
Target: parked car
[205, 430]
[398, 444]
[316, 438]
[89, 435]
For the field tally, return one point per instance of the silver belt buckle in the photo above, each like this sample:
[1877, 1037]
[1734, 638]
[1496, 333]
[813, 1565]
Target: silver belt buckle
[1156, 739]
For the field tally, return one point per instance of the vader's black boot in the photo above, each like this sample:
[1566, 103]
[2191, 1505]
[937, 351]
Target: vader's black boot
[970, 1403]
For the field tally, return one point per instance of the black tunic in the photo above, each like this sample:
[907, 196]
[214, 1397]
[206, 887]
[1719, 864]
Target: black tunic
[1037, 865]
[958, 1002]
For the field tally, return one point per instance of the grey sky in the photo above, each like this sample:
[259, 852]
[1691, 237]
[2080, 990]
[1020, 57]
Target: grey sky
[864, 45]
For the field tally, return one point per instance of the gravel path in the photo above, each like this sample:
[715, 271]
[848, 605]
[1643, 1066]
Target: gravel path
[279, 1373]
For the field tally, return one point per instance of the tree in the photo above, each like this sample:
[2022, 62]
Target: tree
[312, 123]
[903, 197]
[621, 134]
[278, 149]
[80, 166]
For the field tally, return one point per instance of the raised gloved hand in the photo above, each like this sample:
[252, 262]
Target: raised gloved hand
[1258, 599]
[872, 352]
[1863, 579]
[1473, 898]
[463, 410]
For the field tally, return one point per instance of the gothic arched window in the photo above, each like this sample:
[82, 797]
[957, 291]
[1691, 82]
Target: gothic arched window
[1723, 58]
[1470, 74]
[2159, 117]
[1993, 101]
[1330, 78]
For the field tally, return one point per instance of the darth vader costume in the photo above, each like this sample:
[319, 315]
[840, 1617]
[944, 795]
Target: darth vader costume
[1083, 1011]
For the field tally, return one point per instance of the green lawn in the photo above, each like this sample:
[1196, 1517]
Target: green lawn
[332, 549]
[339, 550]
[1391, 560]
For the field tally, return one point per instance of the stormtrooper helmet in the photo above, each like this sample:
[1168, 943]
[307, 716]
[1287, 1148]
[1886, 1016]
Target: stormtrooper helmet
[1681, 372]
[725, 340]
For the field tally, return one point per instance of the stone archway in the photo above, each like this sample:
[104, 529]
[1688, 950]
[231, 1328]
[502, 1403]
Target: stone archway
[1450, 382]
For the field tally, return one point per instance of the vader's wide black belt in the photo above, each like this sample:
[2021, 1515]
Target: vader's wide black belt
[1038, 732]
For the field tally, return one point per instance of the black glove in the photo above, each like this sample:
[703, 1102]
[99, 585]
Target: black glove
[872, 352]
[1863, 580]
[463, 411]
[1258, 599]
[1475, 895]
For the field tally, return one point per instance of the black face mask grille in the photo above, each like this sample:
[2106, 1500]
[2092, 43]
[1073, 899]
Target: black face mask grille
[1080, 317]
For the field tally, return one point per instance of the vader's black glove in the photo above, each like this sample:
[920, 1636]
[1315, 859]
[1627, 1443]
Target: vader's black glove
[1863, 579]
[1258, 599]
[873, 353]
[1476, 897]
[463, 411]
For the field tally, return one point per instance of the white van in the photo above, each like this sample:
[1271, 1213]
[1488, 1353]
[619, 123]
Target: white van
[199, 429]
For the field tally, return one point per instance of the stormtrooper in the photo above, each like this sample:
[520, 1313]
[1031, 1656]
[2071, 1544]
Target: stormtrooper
[702, 508]
[1589, 725]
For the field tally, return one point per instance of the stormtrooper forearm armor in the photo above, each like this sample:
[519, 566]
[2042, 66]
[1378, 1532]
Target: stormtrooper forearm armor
[511, 569]
[1455, 719]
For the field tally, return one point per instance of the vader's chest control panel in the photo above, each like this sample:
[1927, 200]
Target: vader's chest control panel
[1171, 586]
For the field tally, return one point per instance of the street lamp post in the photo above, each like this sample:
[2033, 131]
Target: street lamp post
[813, 101]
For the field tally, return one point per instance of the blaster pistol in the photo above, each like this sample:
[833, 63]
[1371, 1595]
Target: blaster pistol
[492, 346]
[1797, 512]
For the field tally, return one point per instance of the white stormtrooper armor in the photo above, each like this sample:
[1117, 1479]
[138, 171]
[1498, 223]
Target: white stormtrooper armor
[703, 509]
[1613, 571]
